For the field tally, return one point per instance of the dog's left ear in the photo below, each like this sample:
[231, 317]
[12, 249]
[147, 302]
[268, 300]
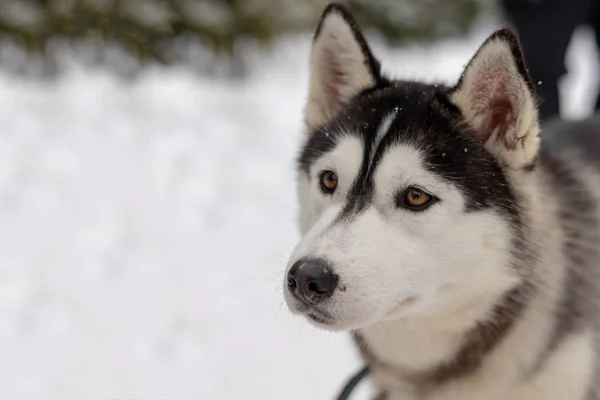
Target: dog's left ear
[497, 99]
[341, 66]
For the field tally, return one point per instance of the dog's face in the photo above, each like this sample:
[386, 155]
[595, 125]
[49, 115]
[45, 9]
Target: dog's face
[407, 201]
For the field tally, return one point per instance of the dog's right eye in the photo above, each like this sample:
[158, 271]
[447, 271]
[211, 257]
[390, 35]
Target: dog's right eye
[328, 181]
[415, 199]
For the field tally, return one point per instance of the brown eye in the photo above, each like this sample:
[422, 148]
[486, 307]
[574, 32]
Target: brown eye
[415, 199]
[328, 182]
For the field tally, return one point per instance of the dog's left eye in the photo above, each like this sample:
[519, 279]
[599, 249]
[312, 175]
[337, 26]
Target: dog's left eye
[415, 199]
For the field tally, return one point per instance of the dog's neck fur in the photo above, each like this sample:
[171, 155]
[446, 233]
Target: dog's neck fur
[420, 343]
[414, 354]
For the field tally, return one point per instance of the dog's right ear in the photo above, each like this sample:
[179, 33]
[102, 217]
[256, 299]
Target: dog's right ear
[341, 66]
[497, 99]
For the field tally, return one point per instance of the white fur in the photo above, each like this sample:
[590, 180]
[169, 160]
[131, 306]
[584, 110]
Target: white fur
[566, 375]
[382, 131]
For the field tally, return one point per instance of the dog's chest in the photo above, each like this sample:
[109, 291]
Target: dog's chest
[567, 373]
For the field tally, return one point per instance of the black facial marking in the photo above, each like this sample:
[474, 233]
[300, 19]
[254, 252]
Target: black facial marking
[322, 141]
[424, 118]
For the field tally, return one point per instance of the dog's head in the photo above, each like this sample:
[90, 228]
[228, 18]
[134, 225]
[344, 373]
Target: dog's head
[408, 201]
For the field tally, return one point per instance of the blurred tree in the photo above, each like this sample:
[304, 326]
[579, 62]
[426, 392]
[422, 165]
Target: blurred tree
[403, 20]
[149, 29]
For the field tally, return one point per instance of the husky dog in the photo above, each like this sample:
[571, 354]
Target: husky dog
[460, 250]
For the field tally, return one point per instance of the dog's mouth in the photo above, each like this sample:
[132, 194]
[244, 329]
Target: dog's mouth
[319, 318]
[315, 315]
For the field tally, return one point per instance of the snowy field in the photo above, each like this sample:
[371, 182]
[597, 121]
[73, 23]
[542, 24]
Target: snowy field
[146, 225]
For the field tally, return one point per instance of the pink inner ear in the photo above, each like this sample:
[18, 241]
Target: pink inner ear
[493, 103]
[334, 78]
[500, 120]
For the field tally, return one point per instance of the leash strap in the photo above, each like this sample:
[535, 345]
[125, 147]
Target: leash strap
[353, 383]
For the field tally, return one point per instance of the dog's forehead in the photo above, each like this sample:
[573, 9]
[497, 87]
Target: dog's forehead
[406, 107]
[410, 113]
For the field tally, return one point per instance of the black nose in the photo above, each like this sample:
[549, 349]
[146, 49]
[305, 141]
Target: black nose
[311, 280]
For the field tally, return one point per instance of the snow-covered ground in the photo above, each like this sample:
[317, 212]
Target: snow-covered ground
[145, 227]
